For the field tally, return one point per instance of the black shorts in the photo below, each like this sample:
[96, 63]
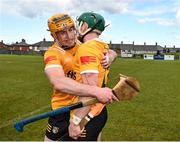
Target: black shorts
[57, 128]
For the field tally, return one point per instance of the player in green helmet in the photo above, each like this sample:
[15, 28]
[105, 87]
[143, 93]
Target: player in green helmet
[88, 69]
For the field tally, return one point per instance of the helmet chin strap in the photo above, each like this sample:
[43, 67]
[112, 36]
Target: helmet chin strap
[79, 29]
[81, 35]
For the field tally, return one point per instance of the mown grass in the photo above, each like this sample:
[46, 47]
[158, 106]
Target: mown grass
[153, 115]
[23, 90]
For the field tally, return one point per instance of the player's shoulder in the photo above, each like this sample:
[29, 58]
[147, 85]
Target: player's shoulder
[100, 42]
[96, 42]
[93, 44]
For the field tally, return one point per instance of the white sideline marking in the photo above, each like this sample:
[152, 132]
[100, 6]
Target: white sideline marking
[10, 122]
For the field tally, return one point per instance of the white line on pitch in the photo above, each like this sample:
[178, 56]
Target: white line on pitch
[10, 122]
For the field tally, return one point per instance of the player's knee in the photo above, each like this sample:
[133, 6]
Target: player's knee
[46, 139]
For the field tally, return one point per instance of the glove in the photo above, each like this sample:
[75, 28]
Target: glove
[127, 88]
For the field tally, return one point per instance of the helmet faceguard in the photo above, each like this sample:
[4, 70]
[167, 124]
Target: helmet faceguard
[59, 22]
[95, 22]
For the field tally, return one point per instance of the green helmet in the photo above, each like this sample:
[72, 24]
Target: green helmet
[94, 20]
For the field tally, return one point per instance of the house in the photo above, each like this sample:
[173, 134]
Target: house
[137, 49]
[171, 50]
[19, 48]
[3, 48]
[2, 45]
[41, 46]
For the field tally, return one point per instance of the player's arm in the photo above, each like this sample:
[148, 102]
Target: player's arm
[108, 58]
[79, 114]
[112, 55]
[91, 79]
[64, 84]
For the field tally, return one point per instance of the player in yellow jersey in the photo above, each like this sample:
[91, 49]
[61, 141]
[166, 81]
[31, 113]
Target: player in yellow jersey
[58, 68]
[88, 69]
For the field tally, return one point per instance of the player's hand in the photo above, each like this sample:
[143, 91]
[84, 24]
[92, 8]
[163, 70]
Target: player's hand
[108, 58]
[74, 131]
[105, 61]
[105, 95]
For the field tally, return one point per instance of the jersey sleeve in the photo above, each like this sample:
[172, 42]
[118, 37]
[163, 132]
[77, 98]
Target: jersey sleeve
[89, 60]
[52, 59]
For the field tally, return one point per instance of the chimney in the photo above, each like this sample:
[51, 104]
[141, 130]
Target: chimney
[110, 44]
[133, 43]
[1, 41]
[156, 43]
[174, 46]
[121, 42]
[23, 40]
[44, 39]
[165, 46]
[144, 43]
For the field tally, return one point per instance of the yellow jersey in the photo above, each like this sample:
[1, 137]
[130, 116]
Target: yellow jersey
[55, 56]
[87, 60]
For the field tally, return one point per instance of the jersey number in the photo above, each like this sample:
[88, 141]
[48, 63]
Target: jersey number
[71, 74]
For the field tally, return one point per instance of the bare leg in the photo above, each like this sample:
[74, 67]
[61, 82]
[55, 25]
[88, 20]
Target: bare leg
[99, 137]
[46, 139]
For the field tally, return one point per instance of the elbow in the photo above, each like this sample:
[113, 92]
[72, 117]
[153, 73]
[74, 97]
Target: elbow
[58, 86]
[114, 53]
[56, 78]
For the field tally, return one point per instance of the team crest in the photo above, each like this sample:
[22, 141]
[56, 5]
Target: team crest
[64, 25]
[55, 130]
[71, 74]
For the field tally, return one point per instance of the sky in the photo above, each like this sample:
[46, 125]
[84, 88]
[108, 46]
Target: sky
[140, 21]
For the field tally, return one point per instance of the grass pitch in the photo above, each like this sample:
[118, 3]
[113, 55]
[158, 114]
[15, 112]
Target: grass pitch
[153, 115]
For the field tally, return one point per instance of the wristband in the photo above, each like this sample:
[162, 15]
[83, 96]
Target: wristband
[85, 120]
[88, 117]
